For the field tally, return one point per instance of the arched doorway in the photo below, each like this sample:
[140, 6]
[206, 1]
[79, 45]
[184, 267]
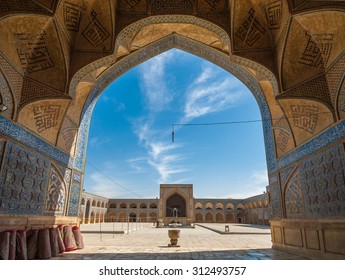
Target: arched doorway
[176, 206]
[142, 217]
[198, 218]
[122, 217]
[230, 217]
[132, 217]
[240, 218]
[219, 218]
[153, 217]
[209, 218]
[111, 217]
[92, 218]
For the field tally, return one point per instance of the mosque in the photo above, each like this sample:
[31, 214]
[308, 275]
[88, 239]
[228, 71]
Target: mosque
[175, 204]
[58, 56]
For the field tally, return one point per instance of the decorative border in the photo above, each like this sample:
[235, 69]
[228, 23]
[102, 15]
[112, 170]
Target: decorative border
[184, 19]
[83, 133]
[74, 200]
[10, 129]
[333, 134]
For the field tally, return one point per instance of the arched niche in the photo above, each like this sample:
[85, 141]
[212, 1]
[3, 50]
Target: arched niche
[176, 206]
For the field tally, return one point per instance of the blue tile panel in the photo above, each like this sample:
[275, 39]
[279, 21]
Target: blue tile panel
[11, 130]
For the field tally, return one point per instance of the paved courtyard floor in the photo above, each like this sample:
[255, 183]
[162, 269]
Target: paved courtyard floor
[204, 242]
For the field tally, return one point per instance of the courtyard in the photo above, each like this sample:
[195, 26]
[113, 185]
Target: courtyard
[207, 241]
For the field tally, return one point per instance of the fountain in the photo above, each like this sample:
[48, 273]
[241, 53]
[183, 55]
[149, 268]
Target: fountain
[174, 235]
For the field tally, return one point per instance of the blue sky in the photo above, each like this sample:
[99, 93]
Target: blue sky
[130, 150]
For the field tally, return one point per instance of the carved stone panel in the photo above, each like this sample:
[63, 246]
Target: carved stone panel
[91, 22]
[306, 117]
[317, 50]
[251, 30]
[95, 33]
[319, 45]
[44, 117]
[34, 49]
[293, 198]
[72, 12]
[323, 179]
[159, 7]
[274, 13]
[55, 201]
[24, 179]
[33, 53]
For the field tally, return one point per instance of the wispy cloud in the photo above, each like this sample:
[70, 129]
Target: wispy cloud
[98, 141]
[260, 177]
[103, 186]
[252, 185]
[162, 156]
[154, 82]
[138, 164]
[104, 183]
[205, 75]
[211, 92]
[113, 101]
[117, 106]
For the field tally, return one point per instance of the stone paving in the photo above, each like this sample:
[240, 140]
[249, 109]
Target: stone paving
[145, 242]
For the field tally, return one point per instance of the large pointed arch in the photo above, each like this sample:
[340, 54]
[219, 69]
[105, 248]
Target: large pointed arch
[193, 47]
[176, 205]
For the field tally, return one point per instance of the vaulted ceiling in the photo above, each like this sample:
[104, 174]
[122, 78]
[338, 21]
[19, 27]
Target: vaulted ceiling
[53, 51]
